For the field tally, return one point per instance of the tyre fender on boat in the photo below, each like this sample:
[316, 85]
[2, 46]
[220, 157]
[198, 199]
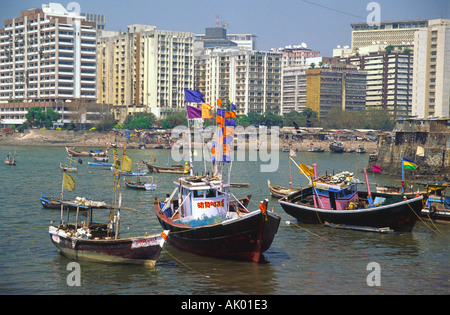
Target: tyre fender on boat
[432, 210]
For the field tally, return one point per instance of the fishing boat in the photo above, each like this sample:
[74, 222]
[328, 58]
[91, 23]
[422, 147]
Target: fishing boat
[10, 160]
[50, 202]
[316, 149]
[200, 214]
[437, 205]
[97, 153]
[101, 242]
[104, 158]
[201, 221]
[101, 165]
[279, 191]
[68, 168]
[143, 185]
[336, 200]
[361, 149]
[337, 147]
[72, 152]
[131, 173]
[175, 169]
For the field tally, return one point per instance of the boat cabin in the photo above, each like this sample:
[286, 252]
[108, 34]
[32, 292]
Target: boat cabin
[201, 198]
[336, 197]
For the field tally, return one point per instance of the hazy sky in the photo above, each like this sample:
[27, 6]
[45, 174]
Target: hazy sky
[321, 24]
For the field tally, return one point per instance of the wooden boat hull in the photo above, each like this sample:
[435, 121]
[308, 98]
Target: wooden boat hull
[245, 238]
[399, 216]
[138, 250]
[10, 162]
[279, 191]
[160, 169]
[76, 153]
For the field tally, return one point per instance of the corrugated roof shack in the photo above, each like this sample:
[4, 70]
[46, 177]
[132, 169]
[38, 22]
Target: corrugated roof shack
[425, 141]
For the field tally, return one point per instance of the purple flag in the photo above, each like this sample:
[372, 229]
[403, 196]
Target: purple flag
[193, 112]
[192, 96]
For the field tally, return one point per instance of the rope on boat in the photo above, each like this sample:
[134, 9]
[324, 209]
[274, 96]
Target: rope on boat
[437, 231]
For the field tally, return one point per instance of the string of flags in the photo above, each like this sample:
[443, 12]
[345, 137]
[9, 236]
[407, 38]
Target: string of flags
[226, 122]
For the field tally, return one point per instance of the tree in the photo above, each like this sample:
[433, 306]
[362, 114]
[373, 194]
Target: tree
[141, 120]
[106, 123]
[173, 120]
[38, 117]
[272, 119]
[389, 49]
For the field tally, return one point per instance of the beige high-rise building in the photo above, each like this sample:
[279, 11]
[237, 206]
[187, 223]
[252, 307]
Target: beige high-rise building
[144, 69]
[431, 70]
[395, 33]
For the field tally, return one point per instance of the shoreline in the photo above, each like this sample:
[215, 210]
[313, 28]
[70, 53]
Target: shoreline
[37, 137]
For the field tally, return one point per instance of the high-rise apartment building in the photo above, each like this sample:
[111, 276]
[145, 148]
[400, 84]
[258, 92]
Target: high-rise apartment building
[431, 88]
[145, 69]
[389, 80]
[339, 85]
[248, 78]
[46, 55]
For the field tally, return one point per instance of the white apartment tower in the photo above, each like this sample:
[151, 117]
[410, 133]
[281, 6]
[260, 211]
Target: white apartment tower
[47, 55]
[431, 88]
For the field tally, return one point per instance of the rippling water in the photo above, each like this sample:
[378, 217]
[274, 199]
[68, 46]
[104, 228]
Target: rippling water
[303, 259]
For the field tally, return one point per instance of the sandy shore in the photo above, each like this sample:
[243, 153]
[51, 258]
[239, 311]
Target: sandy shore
[36, 137]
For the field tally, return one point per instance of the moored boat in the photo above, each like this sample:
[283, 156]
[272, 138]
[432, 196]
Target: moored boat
[277, 191]
[205, 223]
[337, 147]
[72, 152]
[361, 149]
[68, 168]
[316, 149]
[49, 202]
[178, 169]
[138, 184]
[101, 242]
[10, 160]
[336, 200]
[102, 165]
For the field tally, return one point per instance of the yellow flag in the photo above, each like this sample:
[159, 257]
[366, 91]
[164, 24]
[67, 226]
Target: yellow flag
[205, 111]
[68, 182]
[307, 170]
[127, 163]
